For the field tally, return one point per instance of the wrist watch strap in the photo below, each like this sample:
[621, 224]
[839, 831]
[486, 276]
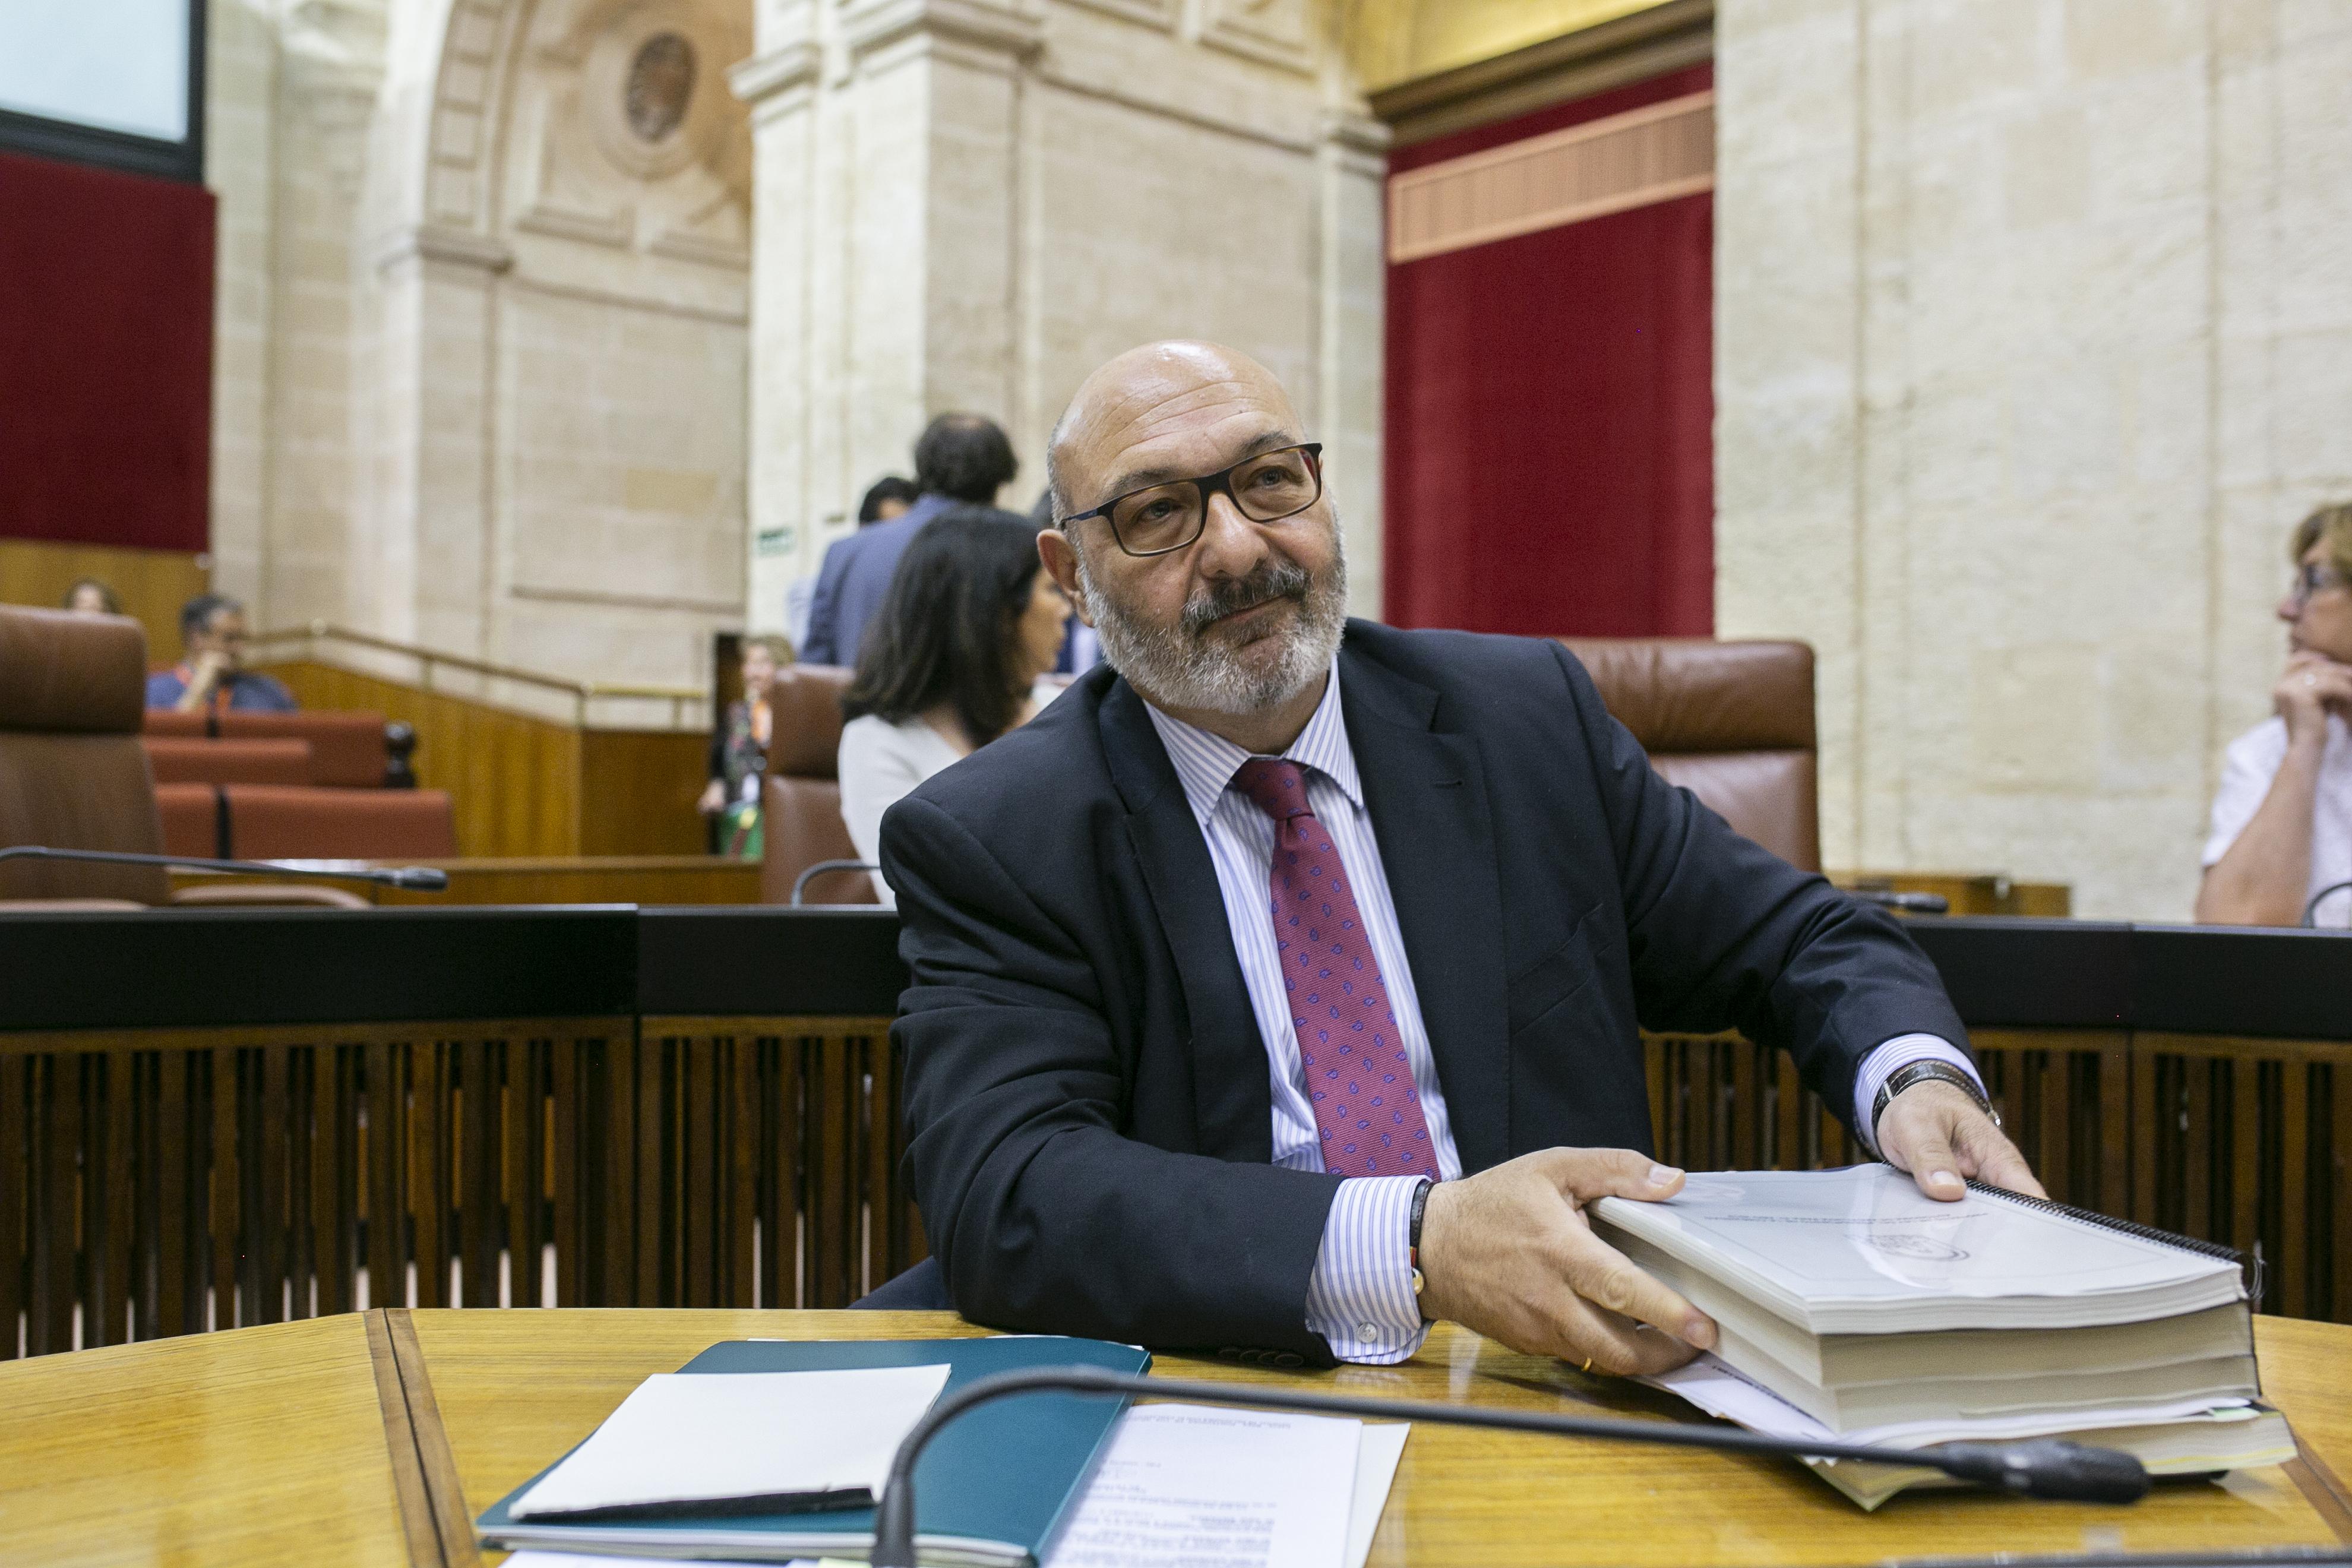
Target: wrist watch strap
[1932, 1070]
[1412, 1233]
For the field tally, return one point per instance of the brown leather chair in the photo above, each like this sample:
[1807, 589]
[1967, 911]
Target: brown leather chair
[1730, 722]
[74, 774]
[801, 796]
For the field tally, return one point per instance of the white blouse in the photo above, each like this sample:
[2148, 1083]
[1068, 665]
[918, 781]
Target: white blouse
[880, 763]
[2251, 762]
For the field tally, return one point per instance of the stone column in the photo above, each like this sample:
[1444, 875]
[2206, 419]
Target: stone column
[885, 202]
[1351, 167]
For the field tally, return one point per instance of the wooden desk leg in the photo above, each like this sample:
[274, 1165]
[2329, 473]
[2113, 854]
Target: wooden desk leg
[416, 1520]
[452, 1520]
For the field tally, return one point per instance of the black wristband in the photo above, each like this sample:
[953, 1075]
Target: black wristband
[1420, 1207]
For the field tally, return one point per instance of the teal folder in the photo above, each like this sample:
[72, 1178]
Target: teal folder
[990, 1488]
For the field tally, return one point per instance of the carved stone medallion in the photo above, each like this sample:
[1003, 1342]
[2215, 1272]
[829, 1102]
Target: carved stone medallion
[660, 86]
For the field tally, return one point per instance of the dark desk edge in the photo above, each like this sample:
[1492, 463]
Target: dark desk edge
[200, 968]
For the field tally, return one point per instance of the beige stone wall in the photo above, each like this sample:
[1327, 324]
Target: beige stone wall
[2033, 337]
[1092, 174]
[489, 379]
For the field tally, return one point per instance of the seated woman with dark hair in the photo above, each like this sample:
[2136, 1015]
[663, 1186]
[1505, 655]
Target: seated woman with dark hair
[951, 661]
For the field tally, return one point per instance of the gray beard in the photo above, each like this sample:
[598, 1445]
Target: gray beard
[1178, 666]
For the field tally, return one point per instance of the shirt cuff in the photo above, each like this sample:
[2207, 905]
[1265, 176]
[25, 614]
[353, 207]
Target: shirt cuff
[1360, 1297]
[1881, 1065]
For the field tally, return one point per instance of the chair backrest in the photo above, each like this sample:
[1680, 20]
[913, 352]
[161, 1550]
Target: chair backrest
[269, 822]
[347, 747]
[1730, 722]
[178, 759]
[72, 772]
[800, 797]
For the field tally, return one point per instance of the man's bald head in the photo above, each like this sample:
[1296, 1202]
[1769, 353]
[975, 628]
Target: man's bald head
[1149, 399]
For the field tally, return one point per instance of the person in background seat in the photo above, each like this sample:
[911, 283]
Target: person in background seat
[211, 675]
[956, 657]
[2282, 831]
[739, 752]
[89, 597]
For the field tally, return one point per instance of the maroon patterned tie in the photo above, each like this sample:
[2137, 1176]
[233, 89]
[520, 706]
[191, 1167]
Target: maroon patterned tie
[1358, 1077]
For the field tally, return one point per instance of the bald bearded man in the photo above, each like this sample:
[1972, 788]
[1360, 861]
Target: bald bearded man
[1278, 990]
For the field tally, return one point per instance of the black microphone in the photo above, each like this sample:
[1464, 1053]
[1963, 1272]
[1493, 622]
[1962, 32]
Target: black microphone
[422, 878]
[2044, 1467]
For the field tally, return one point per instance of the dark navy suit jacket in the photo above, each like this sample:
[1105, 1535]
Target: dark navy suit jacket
[855, 578]
[1089, 1123]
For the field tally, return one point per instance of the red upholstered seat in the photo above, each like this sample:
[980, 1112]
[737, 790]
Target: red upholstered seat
[347, 748]
[181, 760]
[165, 721]
[191, 813]
[272, 823]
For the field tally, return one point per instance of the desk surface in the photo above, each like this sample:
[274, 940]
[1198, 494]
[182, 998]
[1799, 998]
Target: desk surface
[515, 1390]
[303, 1444]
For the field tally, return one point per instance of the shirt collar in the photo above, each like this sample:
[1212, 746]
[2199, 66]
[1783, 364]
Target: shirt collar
[1205, 764]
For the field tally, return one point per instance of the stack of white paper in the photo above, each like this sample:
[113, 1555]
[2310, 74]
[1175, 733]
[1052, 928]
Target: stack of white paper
[1851, 1304]
[814, 1436]
[1185, 1485]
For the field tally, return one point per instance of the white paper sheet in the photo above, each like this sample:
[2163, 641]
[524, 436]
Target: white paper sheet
[695, 1436]
[1381, 1446]
[1718, 1390]
[1206, 1487]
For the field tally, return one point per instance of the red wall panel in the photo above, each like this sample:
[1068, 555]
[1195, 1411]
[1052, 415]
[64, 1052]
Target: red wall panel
[106, 351]
[1550, 462]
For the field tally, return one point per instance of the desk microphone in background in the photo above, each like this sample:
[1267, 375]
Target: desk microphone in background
[419, 878]
[2042, 1466]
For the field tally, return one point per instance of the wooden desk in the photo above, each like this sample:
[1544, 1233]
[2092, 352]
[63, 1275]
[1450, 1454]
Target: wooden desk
[260, 1447]
[513, 1390]
[375, 1438]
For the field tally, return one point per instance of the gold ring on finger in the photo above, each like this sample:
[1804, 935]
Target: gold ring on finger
[1588, 1363]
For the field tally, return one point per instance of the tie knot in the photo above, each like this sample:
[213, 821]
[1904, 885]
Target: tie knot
[1275, 787]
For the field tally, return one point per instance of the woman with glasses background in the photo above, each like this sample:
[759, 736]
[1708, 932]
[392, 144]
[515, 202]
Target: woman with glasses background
[2281, 834]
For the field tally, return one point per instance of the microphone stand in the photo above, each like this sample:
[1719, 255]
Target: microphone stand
[422, 878]
[2042, 1466]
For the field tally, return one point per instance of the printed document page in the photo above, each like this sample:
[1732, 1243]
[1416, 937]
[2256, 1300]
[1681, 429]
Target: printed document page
[698, 1436]
[1186, 1486]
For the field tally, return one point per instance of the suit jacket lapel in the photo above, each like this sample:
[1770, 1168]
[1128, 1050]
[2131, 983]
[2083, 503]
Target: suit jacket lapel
[1235, 1104]
[1426, 794]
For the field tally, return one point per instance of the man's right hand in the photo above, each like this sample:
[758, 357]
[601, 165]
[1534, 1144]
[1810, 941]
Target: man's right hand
[1508, 1253]
[2312, 687]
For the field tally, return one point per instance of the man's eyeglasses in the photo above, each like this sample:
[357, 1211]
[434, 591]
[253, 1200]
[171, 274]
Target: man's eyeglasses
[1159, 518]
[2311, 578]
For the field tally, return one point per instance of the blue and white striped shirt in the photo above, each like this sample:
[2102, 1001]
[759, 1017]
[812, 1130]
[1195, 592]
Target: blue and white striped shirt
[1359, 1297]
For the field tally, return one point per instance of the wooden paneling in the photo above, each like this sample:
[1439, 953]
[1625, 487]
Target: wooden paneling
[159, 1181]
[151, 584]
[650, 879]
[531, 786]
[637, 790]
[1969, 893]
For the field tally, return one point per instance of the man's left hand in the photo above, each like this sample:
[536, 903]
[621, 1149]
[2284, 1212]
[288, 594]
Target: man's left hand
[1935, 1132]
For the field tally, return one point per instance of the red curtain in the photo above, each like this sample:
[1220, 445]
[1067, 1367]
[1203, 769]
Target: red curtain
[1549, 445]
[106, 356]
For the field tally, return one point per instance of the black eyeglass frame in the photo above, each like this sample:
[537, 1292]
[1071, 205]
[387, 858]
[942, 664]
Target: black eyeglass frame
[1209, 485]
